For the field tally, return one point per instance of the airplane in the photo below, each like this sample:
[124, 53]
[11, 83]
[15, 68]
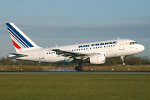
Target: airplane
[93, 53]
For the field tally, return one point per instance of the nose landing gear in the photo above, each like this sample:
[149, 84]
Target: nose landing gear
[122, 58]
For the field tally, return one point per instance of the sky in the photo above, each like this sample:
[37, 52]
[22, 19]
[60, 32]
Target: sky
[64, 22]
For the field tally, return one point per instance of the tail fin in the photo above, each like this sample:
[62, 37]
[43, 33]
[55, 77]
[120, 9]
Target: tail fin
[20, 40]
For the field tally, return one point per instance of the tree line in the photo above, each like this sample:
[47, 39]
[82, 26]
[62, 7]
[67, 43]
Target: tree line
[129, 60]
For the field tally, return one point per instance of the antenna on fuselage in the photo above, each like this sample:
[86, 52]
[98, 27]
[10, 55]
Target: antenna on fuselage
[118, 38]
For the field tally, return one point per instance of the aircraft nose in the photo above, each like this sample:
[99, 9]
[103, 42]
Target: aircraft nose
[141, 48]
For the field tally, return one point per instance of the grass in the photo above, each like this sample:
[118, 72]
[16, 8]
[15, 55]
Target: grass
[74, 87]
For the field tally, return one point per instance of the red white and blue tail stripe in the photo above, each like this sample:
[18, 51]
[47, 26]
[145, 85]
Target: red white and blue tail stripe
[19, 39]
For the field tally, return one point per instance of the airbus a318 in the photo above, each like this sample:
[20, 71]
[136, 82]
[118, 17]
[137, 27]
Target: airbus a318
[93, 53]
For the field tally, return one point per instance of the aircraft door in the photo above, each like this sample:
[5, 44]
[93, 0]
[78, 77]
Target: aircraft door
[41, 57]
[121, 45]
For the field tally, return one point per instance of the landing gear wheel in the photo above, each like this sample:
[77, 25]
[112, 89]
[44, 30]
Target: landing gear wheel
[124, 64]
[78, 67]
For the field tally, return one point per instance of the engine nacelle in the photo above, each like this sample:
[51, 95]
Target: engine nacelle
[97, 59]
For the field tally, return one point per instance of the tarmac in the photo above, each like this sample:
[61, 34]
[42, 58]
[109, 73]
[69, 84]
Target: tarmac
[74, 72]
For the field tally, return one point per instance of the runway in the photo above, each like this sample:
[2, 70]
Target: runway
[74, 72]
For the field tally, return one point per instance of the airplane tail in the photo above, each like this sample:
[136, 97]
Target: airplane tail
[20, 41]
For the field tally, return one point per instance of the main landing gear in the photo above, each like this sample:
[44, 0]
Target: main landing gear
[78, 67]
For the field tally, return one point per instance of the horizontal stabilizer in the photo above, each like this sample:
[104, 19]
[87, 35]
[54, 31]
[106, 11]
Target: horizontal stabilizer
[15, 55]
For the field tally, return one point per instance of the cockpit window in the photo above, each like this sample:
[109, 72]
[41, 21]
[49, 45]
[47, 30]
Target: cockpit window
[131, 43]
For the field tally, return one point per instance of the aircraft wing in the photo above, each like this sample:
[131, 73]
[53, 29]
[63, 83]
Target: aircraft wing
[73, 55]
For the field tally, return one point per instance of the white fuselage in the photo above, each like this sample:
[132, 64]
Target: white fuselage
[112, 48]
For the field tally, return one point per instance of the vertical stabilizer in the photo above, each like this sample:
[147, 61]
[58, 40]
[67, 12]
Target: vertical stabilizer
[20, 41]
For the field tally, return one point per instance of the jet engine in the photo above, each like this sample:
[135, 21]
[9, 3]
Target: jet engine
[98, 58]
